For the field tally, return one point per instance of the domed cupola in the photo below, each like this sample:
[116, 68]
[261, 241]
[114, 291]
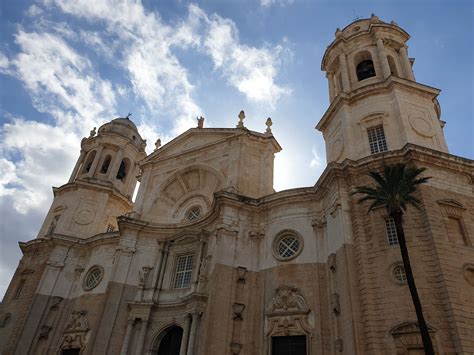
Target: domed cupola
[376, 105]
[112, 156]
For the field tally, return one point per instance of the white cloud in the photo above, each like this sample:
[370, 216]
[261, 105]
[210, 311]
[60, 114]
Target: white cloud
[47, 155]
[251, 70]
[4, 64]
[316, 161]
[64, 85]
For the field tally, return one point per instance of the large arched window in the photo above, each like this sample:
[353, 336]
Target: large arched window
[105, 164]
[123, 169]
[365, 70]
[364, 65]
[89, 161]
[168, 342]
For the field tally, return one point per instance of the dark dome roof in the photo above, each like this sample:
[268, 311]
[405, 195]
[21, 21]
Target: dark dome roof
[125, 121]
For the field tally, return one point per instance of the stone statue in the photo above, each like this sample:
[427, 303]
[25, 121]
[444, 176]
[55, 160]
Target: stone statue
[241, 119]
[158, 144]
[92, 133]
[200, 121]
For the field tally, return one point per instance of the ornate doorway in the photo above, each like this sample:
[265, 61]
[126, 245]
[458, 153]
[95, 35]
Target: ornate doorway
[289, 345]
[169, 341]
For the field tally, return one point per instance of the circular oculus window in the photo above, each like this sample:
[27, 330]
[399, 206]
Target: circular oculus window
[287, 245]
[193, 213]
[93, 277]
[399, 274]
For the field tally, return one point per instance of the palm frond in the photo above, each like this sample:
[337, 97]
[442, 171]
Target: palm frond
[394, 188]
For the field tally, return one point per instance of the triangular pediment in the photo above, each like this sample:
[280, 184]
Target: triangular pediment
[191, 140]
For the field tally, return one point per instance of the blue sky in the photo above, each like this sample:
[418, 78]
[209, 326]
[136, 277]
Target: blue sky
[67, 66]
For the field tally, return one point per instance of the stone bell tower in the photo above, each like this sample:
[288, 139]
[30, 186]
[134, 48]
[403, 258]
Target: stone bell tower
[101, 185]
[376, 105]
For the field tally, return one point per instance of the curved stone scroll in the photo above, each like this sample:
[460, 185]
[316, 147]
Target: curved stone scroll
[287, 313]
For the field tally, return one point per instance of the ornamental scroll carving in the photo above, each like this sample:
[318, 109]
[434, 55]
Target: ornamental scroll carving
[287, 313]
[76, 331]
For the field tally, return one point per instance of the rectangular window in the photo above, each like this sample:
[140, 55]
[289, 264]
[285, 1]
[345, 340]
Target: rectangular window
[19, 289]
[377, 140]
[184, 271]
[391, 231]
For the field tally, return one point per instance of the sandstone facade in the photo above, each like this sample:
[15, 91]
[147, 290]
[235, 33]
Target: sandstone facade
[210, 260]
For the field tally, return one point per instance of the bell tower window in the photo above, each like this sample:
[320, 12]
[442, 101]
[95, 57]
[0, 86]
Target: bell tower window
[123, 169]
[365, 70]
[105, 165]
[90, 160]
[377, 140]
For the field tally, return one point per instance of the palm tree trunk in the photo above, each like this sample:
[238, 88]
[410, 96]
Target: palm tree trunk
[425, 336]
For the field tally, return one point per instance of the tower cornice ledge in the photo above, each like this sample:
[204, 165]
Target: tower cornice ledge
[372, 89]
[95, 185]
[408, 154]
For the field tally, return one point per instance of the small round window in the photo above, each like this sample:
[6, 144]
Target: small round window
[287, 245]
[93, 277]
[193, 213]
[399, 274]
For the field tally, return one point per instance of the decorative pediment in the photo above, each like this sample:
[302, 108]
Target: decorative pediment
[373, 118]
[191, 140]
[451, 203]
[408, 327]
[287, 301]
[287, 313]
[452, 207]
[407, 336]
[76, 333]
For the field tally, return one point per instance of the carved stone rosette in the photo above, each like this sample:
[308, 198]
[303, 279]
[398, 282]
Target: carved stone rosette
[287, 313]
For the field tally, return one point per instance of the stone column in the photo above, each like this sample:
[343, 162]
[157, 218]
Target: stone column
[77, 166]
[192, 334]
[114, 165]
[198, 266]
[185, 338]
[128, 335]
[141, 337]
[406, 63]
[156, 275]
[346, 85]
[97, 157]
[383, 58]
[330, 77]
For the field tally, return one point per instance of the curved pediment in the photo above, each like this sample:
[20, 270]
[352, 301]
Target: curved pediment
[190, 187]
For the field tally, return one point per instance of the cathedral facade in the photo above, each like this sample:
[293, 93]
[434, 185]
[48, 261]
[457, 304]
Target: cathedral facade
[210, 260]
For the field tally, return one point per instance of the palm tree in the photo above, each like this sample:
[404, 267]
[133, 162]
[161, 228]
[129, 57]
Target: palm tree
[394, 190]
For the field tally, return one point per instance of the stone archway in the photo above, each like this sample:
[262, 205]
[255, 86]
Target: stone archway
[168, 342]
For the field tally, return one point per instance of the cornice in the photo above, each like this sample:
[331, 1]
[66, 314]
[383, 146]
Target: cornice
[370, 90]
[93, 184]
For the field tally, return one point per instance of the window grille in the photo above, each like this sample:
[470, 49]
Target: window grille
[377, 140]
[184, 271]
[399, 273]
[93, 277]
[110, 228]
[193, 213]
[392, 236]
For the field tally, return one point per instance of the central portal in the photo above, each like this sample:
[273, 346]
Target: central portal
[290, 345]
[171, 341]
